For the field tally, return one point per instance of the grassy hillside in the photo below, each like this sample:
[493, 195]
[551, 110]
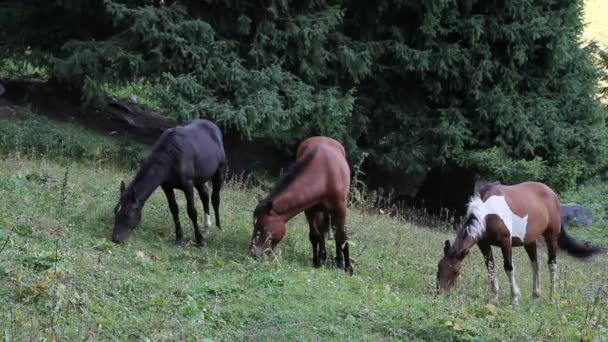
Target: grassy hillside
[61, 277]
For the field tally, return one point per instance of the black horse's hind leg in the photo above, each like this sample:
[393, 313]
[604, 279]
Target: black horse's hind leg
[175, 213]
[189, 192]
[204, 195]
[215, 195]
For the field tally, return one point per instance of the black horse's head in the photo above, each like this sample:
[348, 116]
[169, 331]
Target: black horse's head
[127, 213]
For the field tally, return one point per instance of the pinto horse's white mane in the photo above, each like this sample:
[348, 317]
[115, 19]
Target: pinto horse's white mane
[494, 205]
[477, 209]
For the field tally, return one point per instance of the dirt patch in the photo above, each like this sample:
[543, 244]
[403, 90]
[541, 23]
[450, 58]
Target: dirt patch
[124, 118]
[8, 112]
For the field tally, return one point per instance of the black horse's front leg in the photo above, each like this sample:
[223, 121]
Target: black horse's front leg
[175, 213]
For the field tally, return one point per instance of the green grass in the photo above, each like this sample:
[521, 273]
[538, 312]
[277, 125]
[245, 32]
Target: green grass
[61, 278]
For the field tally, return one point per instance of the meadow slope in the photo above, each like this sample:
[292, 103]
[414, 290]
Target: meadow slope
[61, 278]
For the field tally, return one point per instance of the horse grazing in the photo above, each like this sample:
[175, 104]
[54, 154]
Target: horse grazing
[318, 184]
[511, 216]
[184, 158]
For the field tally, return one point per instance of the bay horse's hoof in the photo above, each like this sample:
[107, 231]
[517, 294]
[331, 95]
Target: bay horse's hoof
[340, 264]
[179, 243]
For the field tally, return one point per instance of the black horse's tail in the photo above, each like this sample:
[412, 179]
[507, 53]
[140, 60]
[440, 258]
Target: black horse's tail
[577, 248]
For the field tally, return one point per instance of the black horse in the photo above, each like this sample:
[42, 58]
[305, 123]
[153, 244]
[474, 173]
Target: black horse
[184, 158]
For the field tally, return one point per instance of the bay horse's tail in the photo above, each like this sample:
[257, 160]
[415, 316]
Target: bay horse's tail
[577, 248]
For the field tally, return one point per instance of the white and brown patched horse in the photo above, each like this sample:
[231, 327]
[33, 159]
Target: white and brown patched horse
[511, 216]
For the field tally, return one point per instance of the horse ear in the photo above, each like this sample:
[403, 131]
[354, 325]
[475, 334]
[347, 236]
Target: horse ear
[446, 247]
[122, 187]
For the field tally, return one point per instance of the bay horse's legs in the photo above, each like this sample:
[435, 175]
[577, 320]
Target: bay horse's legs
[323, 225]
[215, 195]
[314, 234]
[533, 255]
[486, 250]
[508, 259]
[175, 213]
[203, 192]
[189, 192]
[338, 220]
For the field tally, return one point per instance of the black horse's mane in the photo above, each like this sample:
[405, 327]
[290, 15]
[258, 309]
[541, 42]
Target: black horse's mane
[285, 180]
[161, 158]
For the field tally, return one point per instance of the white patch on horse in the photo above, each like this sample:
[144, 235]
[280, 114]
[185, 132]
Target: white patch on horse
[207, 221]
[476, 208]
[119, 207]
[495, 205]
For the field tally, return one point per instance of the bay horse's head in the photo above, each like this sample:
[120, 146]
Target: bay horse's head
[127, 213]
[449, 268]
[268, 229]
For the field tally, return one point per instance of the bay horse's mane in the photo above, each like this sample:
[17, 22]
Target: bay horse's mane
[285, 180]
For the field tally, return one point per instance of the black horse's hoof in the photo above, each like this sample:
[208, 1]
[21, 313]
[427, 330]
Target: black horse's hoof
[316, 264]
[349, 270]
[200, 244]
[219, 227]
[179, 243]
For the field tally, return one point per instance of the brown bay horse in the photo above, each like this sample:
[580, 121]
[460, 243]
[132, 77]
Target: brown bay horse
[318, 184]
[511, 216]
[184, 158]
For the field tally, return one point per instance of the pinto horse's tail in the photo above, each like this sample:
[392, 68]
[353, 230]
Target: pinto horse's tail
[577, 248]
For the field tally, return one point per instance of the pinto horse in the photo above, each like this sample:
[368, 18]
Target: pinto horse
[184, 158]
[511, 216]
[318, 184]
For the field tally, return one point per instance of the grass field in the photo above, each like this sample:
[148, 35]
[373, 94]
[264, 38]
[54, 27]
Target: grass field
[62, 279]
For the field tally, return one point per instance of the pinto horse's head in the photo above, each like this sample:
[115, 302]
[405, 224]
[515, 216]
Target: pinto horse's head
[127, 214]
[448, 268]
[268, 229]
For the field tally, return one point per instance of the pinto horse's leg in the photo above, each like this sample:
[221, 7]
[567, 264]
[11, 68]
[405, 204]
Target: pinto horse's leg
[486, 250]
[175, 213]
[313, 235]
[508, 259]
[201, 187]
[338, 220]
[533, 255]
[551, 240]
[189, 192]
[215, 195]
